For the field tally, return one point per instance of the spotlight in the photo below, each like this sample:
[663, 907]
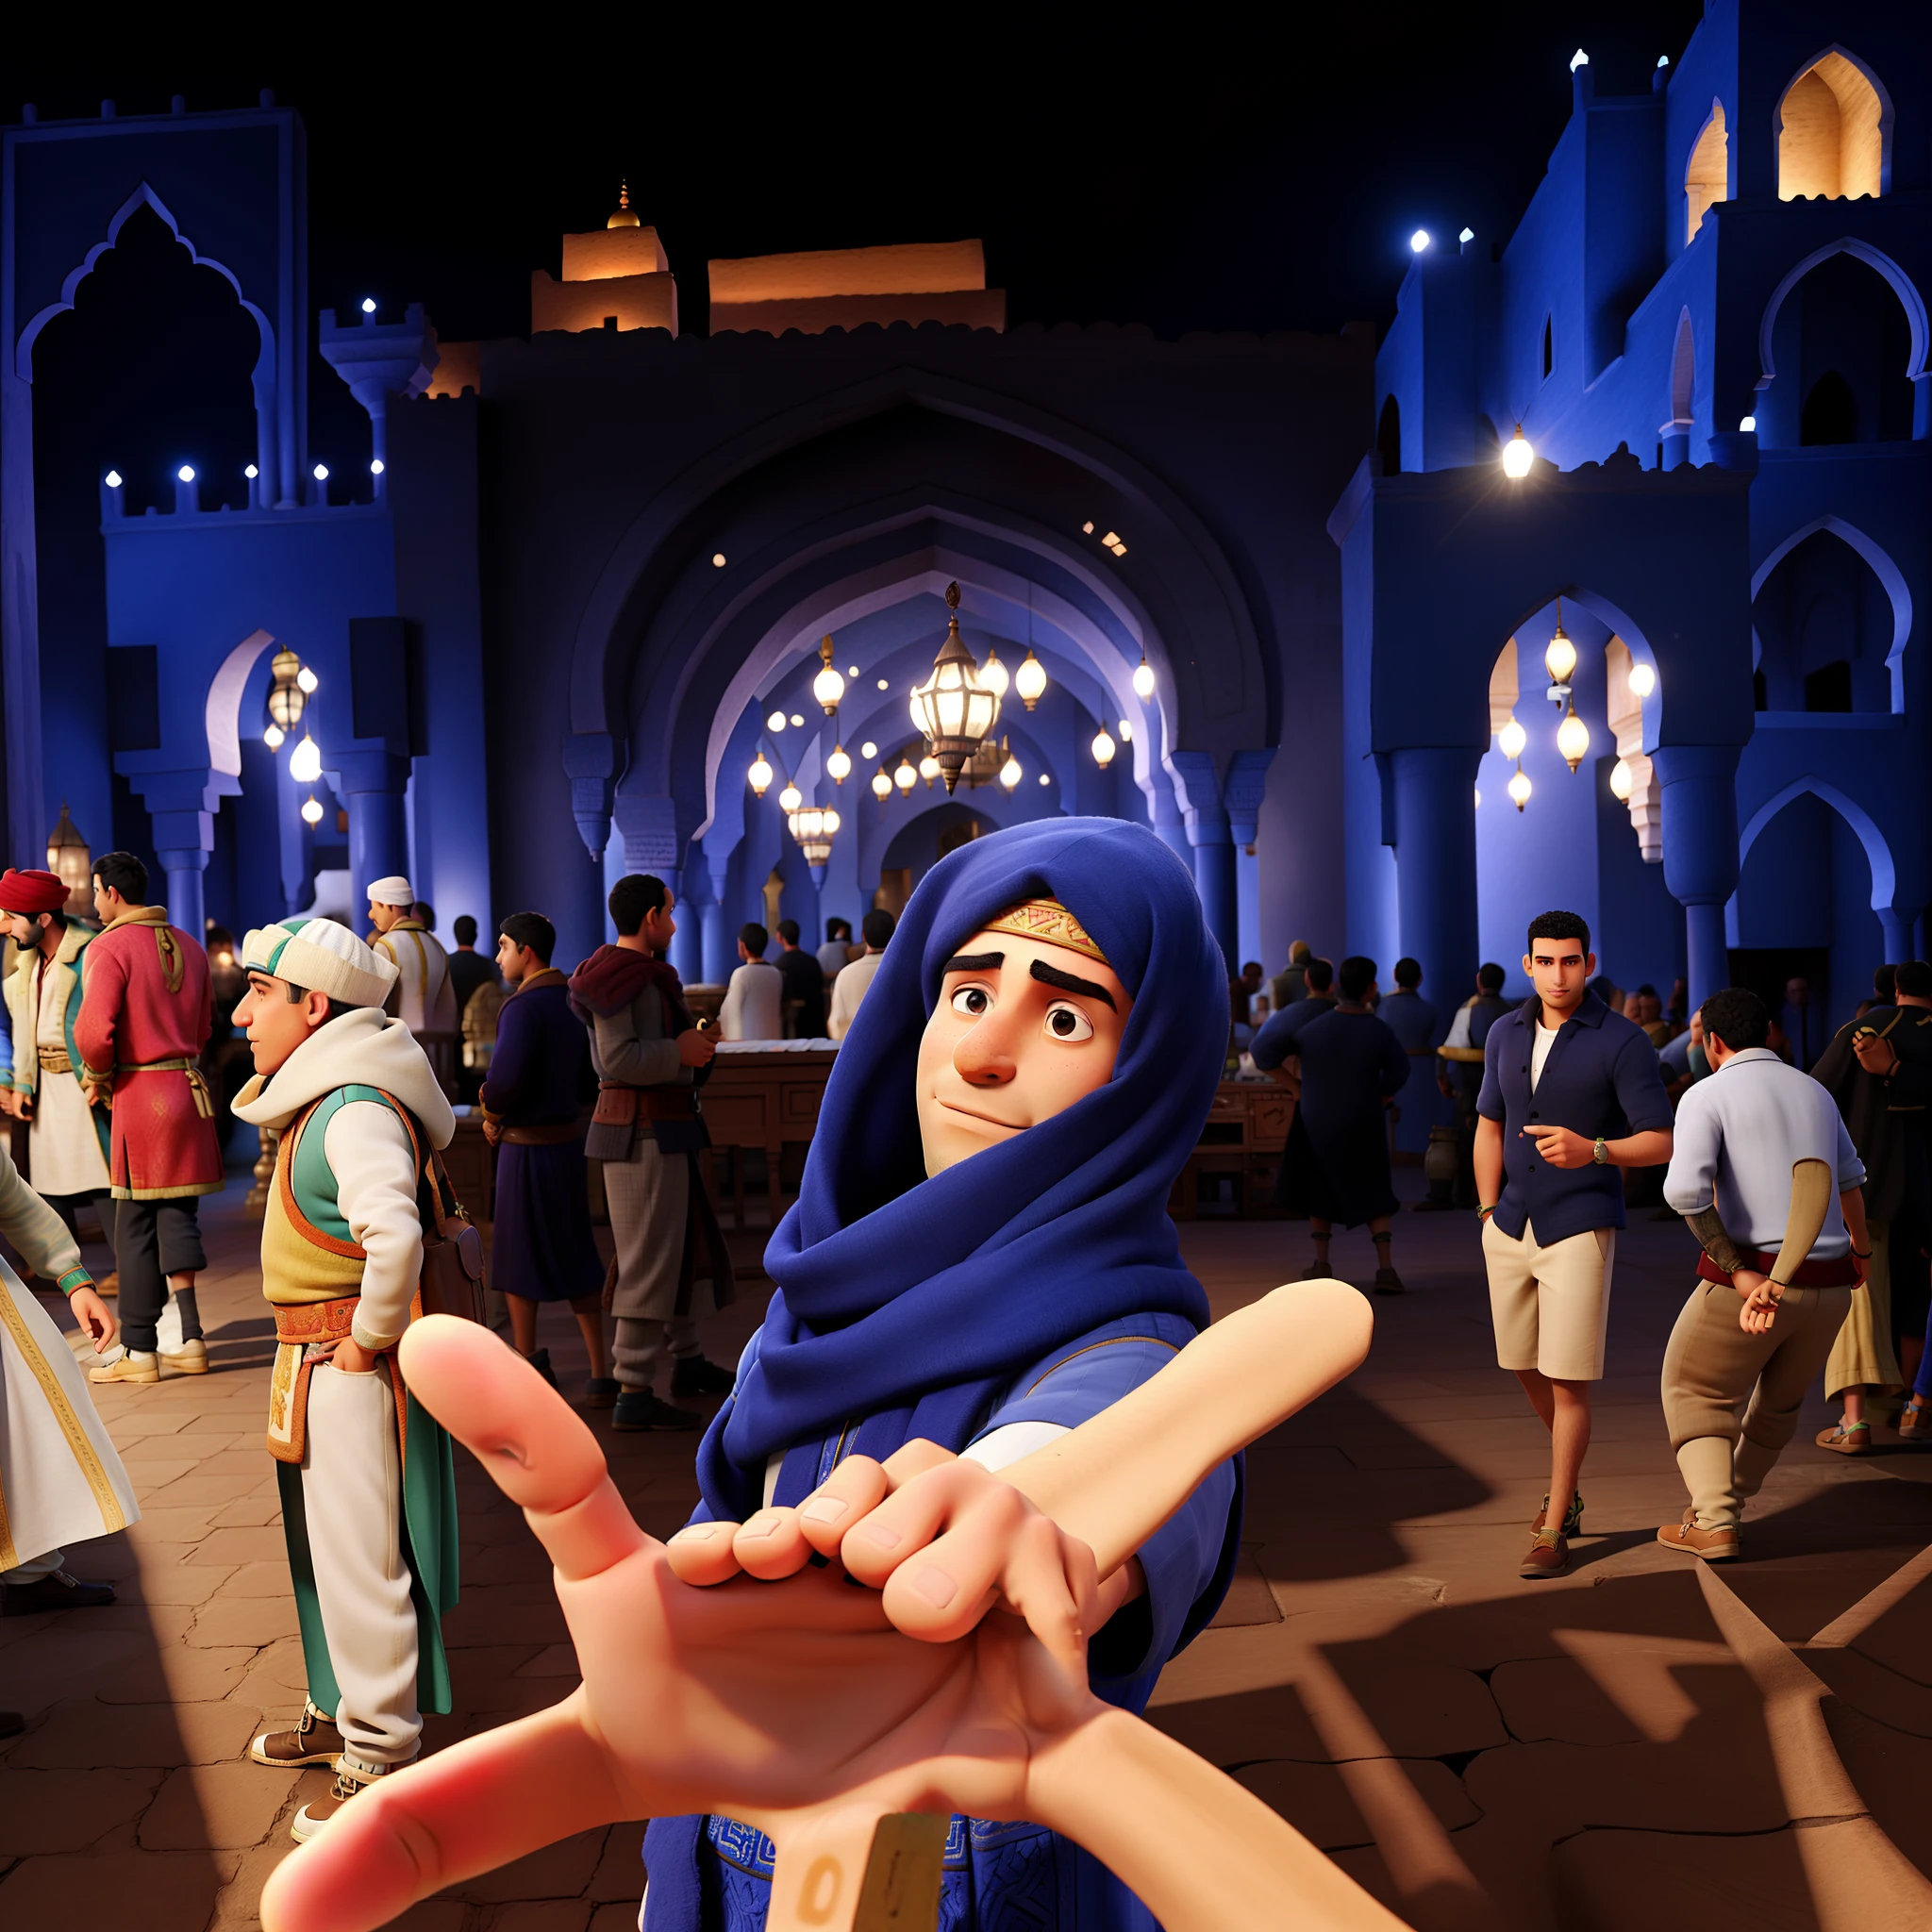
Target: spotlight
[1520, 789]
[1620, 779]
[251, 473]
[375, 466]
[1103, 748]
[1418, 241]
[186, 472]
[114, 478]
[272, 736]
[1126, 730]
[321, 472]
[1517, 454]
[369, 305]
[904, 776]
[304, 761]
[1511, 739]
[791, 798]
[759, 775]
[868, 751]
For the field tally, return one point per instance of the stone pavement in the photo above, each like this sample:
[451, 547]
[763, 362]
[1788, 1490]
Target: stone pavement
[1642, 1737]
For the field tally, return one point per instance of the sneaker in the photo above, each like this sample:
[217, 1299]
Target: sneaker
[1915, 1422]
[1549, 1556]
[1846, 1438]
[57, 1590]
[540, 1362]
[318, 1811]
[1573, 1517]
[691, 1374]
[128, 1367]
[601, 1391]
[191, 1359]
[1387, 1282]
[1713, 1545]
[639, 1408]
[314, 1741]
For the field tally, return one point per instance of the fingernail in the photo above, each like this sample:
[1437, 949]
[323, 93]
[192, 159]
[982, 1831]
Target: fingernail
[878, 1533]
[696, 1533]
[823, 1510]
[763, 1524]
[935, 1586]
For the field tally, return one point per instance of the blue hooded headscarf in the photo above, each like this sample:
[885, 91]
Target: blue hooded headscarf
[904, 1302]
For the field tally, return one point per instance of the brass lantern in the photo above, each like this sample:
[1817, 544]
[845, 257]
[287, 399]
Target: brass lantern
[287, 697]
[69, 860]
[955, 707]
[814, 827]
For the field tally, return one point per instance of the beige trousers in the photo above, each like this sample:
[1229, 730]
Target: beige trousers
[352, 1496]
[1551, 1306]
[649, 1198]
[1862, 1357]
[1731, 1400]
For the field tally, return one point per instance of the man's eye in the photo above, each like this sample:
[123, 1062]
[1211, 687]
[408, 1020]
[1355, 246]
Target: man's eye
[1065, 1021]
[973, 1001]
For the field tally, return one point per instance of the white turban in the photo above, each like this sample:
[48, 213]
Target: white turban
[319, 956]
[392, 891]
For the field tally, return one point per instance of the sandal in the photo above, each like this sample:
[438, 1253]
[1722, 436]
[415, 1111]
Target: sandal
[1915, 1421]
[1853, 1439]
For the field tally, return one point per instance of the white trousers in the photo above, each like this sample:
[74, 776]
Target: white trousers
[352, 1496]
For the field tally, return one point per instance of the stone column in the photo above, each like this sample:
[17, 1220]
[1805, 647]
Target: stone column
[1700, 809]
[1434, 791]
[1900, 923]
[720, 949]
[378, 844]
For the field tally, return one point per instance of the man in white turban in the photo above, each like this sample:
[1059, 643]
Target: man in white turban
[426, 1001]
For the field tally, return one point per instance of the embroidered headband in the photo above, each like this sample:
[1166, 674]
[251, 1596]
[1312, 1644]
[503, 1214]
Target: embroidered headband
[1051, 923]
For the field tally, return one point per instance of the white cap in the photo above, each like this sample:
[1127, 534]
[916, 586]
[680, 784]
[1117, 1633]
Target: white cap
[319, 956]
[392, 891]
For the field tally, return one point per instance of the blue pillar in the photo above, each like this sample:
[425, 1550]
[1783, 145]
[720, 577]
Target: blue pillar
[1898, 925]
[184, 866]
[1214, 879]
[1700, 812]
[376, 843]
[1434, 788]
[685, 953]
[718, 952]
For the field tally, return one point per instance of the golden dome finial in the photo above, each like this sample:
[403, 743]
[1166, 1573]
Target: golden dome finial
[626, 216]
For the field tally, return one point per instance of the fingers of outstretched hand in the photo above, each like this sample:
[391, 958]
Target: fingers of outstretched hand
[465, 1810]
[534, 1446]
[701, 1553]
[771, 1544]
[921, 1505]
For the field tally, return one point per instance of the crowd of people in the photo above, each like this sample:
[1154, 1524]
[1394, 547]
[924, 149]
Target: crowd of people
[1580, 1101]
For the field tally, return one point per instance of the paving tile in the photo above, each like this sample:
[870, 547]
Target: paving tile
[1314, 1798]
[1606, 1881]
[209, 1806]
[81, 1733]
[164, 1577]
[615, 1917]
[241, 1546]
[43, 1811]
[178, 1674]
[231, 1621]
[238, 1907]
[445, 1915]
[175, 1892]
[620, 1872]
[547, 1915]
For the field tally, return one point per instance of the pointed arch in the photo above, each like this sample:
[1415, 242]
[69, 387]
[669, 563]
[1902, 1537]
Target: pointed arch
[1883, 568]
[1902, 286]
[1707, 172]
[222, 714]
[1877, 852]
[1683, 373]
[143, 196]
[1833, 127]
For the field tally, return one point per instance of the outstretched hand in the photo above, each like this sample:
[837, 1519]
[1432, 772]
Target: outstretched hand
[795, 1708]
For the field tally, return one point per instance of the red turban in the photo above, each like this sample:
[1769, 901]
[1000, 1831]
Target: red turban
[31, 892]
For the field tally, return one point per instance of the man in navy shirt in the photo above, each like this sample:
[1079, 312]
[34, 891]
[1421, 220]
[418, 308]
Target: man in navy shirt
[1570, 1091]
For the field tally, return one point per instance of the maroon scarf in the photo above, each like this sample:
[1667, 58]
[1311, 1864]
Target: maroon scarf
[612, 977]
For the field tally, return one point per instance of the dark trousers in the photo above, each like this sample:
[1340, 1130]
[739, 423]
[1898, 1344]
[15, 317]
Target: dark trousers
[1466, 1118]
[153, 1240]
[68, 1207]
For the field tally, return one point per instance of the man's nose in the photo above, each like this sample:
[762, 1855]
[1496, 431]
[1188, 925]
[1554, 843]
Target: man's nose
[985, 1056]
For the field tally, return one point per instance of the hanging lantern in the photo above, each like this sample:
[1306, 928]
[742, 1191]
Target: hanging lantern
[1520, 789]
[311, 811]
[905, 777]
[1619, 780]
[955, 708]
[1030, 680]
[760, 774]
[1011, 772]
[1517, 457]
[828, 688]
[791, 799]
[995, 676]
[1559, 660]
[287, 696]
[1643, 680]
[1143, 678]
[273, 737]
[837, 766]
[1573, 737]
[1103, 749]
[813, 826]
[304, 761]
[928, 769]
[306, 681]
[1511, 739]
[882, 785]
[1126, 731]
[70, 861]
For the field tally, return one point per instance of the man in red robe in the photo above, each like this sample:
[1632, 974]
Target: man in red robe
[145, 1014]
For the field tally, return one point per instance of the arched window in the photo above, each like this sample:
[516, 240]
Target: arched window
[1832, 133]
[1549, 349]
[1828, 627]
[1389, 438]
[1708, 177]
[1831, 414]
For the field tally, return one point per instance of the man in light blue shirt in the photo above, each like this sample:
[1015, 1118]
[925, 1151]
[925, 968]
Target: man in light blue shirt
[1766, 1178]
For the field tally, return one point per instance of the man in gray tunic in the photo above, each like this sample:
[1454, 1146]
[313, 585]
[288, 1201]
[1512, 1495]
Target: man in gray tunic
[650, 1055]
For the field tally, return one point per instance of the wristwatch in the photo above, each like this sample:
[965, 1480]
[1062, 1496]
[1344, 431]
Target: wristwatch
[1600, 1154]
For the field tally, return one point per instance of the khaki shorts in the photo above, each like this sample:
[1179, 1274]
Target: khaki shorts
[1551, 1306]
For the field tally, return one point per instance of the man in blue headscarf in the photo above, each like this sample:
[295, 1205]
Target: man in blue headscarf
[981, 1258]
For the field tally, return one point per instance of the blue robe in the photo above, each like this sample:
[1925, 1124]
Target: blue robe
[1038, 1280]
[539, 1076]
[1351, 1063]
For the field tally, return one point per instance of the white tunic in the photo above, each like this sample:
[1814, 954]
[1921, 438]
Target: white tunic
[61, 1479]
[64, 1148]
[428, 1004]
[754, 1005]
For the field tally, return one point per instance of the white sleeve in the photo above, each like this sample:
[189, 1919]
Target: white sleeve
[731, 1014]
[1697, 1145]
[1009, 1444]
[374, 1166]
[841, 1016]
[1458, 1028]
[1851, 1170]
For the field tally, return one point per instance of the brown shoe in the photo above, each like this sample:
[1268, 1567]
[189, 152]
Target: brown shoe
[1915, 1422]
[1846, 1438]
[318, 1811]
[314, 1741]
[1713, 1545]
[1549, 1556]
[57, 1590]
[1388, 1281]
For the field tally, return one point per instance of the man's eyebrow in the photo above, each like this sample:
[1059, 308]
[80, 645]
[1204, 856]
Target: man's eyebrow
[973, 963]
[1051, 976]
